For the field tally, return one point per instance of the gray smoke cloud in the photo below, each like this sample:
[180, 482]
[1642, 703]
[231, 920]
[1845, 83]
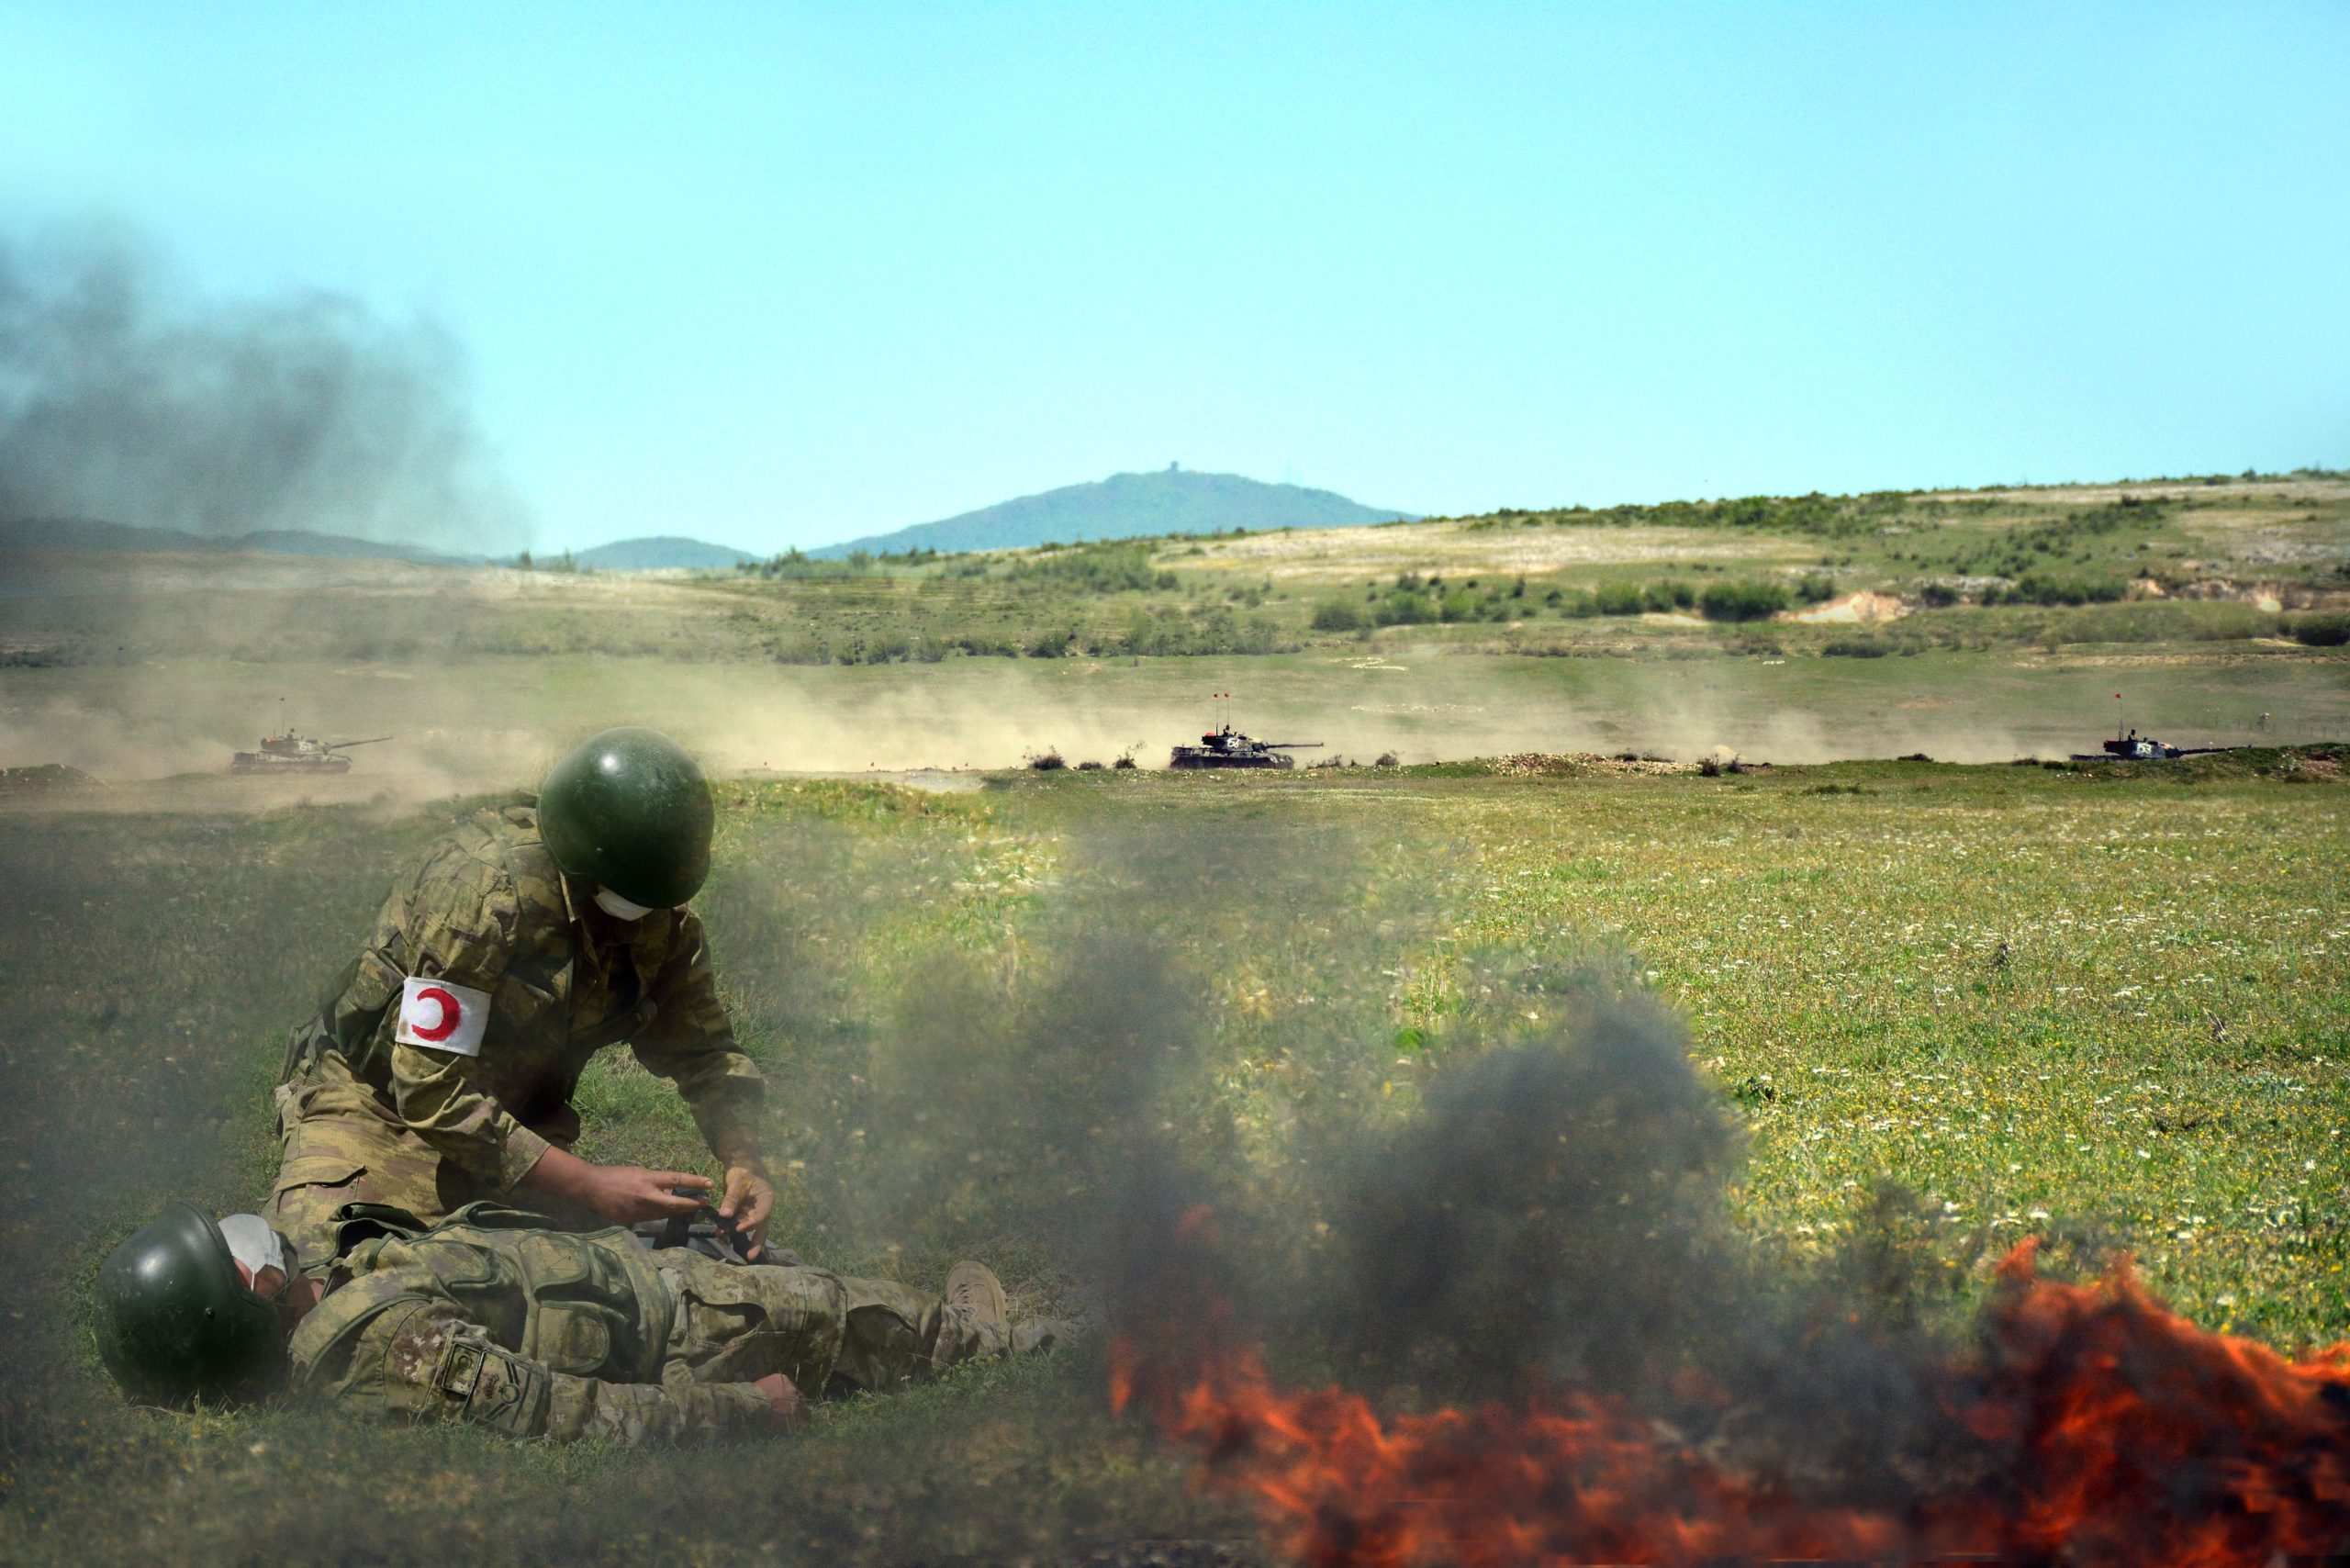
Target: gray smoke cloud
[1556, 1218]
[125, 399]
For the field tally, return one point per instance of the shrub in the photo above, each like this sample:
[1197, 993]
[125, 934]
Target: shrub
[1816, 588]
[2321, 631]
[1940, 596]
[2051, 588]
[1109, 567]
[1404, 608]
[1338, 615]
[1743, 601]
[1617, 599]
[1572, 603]
[1856, 648]
[1672, 593]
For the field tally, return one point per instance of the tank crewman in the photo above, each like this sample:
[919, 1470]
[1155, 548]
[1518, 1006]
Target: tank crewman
[440, 1071]
[491, 1318]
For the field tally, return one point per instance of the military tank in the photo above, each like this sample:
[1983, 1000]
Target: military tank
[298, 753]
[1227, 747]
[2135, 747]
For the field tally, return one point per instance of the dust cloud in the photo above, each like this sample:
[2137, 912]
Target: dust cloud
[471, 723]
[124, 398]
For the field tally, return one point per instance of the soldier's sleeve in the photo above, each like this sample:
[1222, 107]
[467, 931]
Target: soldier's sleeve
[436, 1366]
[691, 1041]
[461, 925]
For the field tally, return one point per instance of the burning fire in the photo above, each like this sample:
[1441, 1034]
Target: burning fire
[2126, 1437]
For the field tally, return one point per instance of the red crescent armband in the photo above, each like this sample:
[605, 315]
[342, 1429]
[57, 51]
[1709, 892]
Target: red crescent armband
[442, 1015]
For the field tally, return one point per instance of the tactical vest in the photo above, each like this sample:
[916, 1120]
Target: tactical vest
[591, 1304]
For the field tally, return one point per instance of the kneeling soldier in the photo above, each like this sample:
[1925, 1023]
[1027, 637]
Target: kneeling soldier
[440, 1071]
[491, 1317]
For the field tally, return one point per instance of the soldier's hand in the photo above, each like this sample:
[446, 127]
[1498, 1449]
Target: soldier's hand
[749, 1201]
[626, 1194]
[621, 1193]
[784, 1404]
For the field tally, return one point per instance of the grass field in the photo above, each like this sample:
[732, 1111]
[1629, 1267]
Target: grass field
[1938, 623]
[1951, 1006]
[2106, 1007]
[2177, 562]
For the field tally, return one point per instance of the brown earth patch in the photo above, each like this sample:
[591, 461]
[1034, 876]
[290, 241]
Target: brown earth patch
[1854, 608]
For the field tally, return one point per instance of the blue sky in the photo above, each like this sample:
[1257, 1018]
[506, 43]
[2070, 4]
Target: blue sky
[775, 274]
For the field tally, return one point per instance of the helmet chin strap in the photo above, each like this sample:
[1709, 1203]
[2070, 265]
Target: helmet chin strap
[618, 908]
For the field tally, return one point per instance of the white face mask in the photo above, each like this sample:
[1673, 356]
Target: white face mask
[252, 1243]
[618, 908]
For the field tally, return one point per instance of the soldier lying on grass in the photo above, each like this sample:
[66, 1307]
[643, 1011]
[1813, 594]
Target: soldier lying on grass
[491, 1317]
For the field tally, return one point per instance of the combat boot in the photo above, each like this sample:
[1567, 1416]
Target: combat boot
[974, 1287]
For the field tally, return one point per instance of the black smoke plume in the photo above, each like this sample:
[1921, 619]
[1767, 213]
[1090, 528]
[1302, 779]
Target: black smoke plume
[124, 399]
[1556, 1218]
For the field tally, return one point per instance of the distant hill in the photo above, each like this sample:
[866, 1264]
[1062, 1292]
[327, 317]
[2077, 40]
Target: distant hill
[66, 533]
[656, 553]
[1127, 506]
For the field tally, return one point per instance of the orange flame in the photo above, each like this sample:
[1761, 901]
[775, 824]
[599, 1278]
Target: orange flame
[2134, 1440]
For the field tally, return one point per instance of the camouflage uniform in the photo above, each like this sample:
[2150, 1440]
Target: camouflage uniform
[491, 1318]
[365, 1118]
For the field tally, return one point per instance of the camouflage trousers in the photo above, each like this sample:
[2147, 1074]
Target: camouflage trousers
[829, 1333]
[341, 1147]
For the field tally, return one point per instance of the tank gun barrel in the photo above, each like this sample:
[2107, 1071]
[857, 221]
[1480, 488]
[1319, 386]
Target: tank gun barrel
[1290, 745]
[374, 740]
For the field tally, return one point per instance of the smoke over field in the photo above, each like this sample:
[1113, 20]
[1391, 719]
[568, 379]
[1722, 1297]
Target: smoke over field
[125, 399]
[1617, 1375]
[1042, 1025]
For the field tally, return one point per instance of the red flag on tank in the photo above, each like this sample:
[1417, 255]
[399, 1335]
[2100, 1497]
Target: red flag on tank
[442, 1015]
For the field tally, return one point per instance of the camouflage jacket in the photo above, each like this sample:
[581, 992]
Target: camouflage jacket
[486, 908]
[489, 1317]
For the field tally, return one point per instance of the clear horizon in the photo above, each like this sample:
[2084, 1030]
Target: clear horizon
[776, 277]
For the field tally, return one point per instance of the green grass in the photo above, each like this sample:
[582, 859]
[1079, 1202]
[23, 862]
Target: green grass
[2103, 1006]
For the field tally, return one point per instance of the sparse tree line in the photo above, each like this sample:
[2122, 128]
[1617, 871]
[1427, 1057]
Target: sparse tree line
[1832, 516]
[793, 562]
[1413, 600]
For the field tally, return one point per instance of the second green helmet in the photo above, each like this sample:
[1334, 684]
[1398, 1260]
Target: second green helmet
[175, 1323]
[628, 810]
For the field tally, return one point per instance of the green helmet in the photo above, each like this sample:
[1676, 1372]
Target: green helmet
[175, 1323]
[628, 811]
